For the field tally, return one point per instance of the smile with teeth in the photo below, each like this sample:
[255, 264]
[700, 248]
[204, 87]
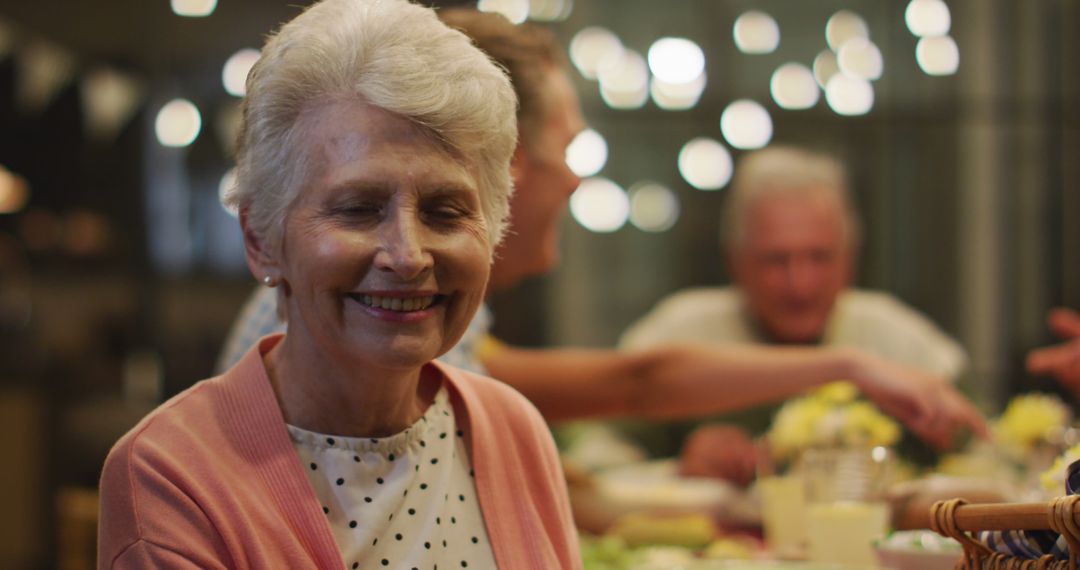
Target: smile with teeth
[397, 303]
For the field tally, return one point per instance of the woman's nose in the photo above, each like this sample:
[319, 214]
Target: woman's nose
[404, 249]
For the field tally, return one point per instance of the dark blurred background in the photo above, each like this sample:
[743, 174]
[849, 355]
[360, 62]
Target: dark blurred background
[120, 272]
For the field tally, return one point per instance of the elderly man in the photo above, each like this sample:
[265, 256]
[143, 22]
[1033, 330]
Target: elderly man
[790, 237]
[684, 380]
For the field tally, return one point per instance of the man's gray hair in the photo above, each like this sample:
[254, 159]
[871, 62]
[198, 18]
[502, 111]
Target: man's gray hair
[787, 170]
[394, 55]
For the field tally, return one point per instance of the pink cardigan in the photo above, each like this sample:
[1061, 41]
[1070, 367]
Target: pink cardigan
[211, 480]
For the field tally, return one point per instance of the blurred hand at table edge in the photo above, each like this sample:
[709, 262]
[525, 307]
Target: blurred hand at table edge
[1062, 361]
[720, 452]
[930, 406]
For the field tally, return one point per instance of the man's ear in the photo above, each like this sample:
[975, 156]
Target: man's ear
[261, 259]
[518, 163]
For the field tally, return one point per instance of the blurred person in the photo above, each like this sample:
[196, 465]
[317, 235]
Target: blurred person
[671, 381]
[373, 186]
[1061, 361]
[790, 237]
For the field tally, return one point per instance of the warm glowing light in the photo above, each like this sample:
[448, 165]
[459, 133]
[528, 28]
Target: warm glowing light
[625, 85]
[593, 49]
[653, 207]
[843, 26]
[756, 32]
[178, 123]
[938, 55]
[677, 96]
[849, 95]
[600, 205]
[193, 8]
[515, 10]
[587, 153]
[825, 67]
[793, 87]
[705, 164]
[234, 74]
[928, 18]
[550, 10]
[746, 124]
[228, 181]
[676, 60]
[14, 192]
[861, 58]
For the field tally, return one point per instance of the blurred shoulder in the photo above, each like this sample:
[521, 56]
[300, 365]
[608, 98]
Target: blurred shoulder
[865, 303]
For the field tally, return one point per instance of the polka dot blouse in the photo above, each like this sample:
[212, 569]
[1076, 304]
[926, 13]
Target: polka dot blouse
[404, 501]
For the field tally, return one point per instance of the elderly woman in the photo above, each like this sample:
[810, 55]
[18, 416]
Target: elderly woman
[372, 189]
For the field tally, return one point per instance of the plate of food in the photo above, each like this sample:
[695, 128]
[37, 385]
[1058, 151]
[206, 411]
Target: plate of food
[918, 550]
[656, 486]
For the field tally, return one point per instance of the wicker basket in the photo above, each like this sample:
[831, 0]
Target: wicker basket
[958, 520]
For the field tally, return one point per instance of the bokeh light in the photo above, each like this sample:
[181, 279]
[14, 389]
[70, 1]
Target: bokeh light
[825, 67]
[842, 26]
[550, 10]
[938, 55]
[653, 207]
[676, 60]
[756, 32]
[746, 124]
[587, 153]
[515, 10]
[677, 96]
[705, 164]
[234, 74]
[793, 87]
[14, 192]
[928, 18]
[193, 8]
[849, 95]
[625, 85]
[861, 58]
[178, 123]
[600, 205]
[593, 49]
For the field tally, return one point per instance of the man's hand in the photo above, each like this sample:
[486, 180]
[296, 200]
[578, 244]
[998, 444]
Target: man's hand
[1061, 361]
[721, 452]
[928, 405]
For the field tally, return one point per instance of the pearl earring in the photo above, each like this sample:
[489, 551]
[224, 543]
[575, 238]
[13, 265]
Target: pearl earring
[268, 281]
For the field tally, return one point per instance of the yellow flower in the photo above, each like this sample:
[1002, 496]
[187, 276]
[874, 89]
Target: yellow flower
[1053, 479]
[840, 392]
[1029, 418]
[828, 417]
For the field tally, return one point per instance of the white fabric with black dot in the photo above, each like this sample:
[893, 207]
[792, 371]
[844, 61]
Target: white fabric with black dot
[404, 501]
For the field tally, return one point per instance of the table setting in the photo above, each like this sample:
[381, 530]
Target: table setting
[833, 492]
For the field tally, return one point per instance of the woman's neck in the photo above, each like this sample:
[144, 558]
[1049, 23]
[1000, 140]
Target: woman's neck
[320, 393]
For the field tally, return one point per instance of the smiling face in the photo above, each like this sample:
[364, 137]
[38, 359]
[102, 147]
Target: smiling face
[793, 262]
[384, 256]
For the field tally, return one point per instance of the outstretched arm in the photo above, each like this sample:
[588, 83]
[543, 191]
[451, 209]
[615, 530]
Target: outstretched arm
[1063, 360]
[687, 380]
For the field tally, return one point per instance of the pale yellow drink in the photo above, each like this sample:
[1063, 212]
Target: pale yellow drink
[783, 501]
[843, 532]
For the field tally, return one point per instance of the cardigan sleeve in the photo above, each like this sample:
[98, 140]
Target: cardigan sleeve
[144, 554]
[147, 520]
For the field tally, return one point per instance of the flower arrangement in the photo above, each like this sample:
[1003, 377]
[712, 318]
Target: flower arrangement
[831, 416]
[1053, 479]
[1030, 420]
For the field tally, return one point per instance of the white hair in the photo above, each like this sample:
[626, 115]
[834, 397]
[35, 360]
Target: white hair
[784, 170]
[394, 55]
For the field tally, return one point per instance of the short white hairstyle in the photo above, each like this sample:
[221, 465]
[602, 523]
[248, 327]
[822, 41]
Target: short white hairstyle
[784, 170]
[394, 55]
